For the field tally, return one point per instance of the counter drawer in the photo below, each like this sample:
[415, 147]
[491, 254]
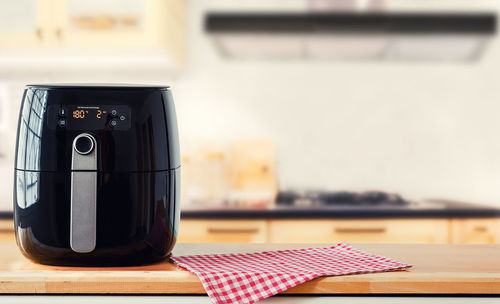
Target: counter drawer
[421, 231]
[475, 231]
[223, 231]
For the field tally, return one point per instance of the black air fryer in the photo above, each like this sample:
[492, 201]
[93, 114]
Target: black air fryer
[97, 174]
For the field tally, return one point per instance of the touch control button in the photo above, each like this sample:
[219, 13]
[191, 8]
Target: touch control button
[113, 122]
[84, 144]
[62, 111]
[61, 122]
[114, 112]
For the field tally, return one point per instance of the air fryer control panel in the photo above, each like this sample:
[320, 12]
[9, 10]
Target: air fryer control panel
[89, 117]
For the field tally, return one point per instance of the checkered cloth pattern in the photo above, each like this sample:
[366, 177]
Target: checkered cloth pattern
[250, 277]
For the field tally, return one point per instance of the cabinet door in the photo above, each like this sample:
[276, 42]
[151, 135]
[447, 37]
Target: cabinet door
[23, 23]
[156, 25]
[359, 231]
[97, 23]
[223, 231]
[476, 231]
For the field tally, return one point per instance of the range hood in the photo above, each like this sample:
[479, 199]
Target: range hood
[345, 35]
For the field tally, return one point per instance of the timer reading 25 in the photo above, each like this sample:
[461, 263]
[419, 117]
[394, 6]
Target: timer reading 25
[82, 113]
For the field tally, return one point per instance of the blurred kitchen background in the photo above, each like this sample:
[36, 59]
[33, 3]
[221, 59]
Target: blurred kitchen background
[300, 120]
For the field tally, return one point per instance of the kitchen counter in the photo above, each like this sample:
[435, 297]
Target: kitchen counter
[438, 269]
[438, 209]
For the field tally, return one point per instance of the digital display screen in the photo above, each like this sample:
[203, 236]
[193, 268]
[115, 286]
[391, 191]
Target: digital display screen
[89, 117]
[89, 114]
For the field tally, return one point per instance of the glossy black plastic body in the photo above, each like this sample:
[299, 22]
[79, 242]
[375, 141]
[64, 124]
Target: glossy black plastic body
[137, 177]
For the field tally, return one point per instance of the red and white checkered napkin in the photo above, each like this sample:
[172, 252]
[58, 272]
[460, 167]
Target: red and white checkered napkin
[247, 278]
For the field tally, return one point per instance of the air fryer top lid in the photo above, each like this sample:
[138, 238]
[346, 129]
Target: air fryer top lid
[97, 86]
[135, 127]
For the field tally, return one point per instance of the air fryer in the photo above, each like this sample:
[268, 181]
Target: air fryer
[97, 174]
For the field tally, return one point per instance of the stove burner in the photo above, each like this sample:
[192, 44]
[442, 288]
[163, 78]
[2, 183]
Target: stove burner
[340, 198]
[287, 198]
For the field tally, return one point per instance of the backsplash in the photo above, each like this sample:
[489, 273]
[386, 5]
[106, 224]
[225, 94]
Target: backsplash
[420, 129]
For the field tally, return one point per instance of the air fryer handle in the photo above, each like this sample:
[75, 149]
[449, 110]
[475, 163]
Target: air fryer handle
[83, 193]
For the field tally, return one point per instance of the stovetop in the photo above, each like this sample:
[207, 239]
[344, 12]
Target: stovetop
[346, 204]
[341, 199]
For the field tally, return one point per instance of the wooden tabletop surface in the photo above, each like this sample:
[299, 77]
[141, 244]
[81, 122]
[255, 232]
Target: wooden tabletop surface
[443, 269]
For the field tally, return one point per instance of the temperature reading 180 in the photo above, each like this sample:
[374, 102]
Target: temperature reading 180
[79, 113]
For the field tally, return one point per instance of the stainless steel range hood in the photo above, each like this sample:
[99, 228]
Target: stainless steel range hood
[344, 35]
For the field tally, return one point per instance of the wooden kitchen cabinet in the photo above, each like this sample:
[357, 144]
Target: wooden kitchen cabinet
[136, 23]
[113, 25]
[223, 231]
[422, 231]
[475, 231]
[418, 231]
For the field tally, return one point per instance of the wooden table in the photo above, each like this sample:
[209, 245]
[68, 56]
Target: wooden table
[438, 269]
